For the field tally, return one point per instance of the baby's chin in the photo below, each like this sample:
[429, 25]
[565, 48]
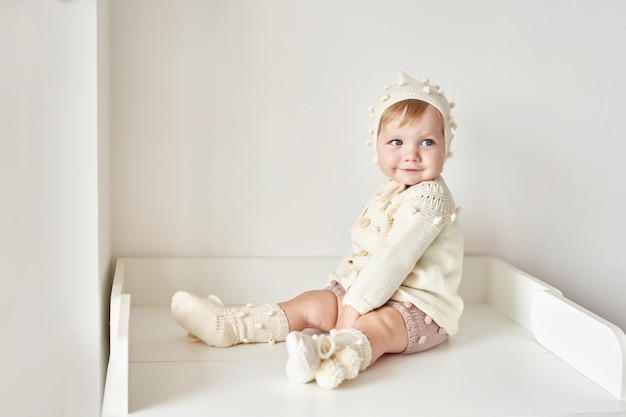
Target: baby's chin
[411, 178]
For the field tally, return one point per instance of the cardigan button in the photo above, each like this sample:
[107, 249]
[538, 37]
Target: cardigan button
[363, 252]
[364, 222]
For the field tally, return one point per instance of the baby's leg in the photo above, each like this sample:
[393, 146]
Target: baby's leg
[400, 328]
[385, 329]
[354, 350]
[217, 325]
[342, 354]
[316, 309]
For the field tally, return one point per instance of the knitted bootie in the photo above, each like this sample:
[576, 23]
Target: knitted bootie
[305, 353]
[216, 325]
[353, 353]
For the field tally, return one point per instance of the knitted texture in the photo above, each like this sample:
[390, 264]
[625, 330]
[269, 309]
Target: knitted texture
[344, 365]
[305, 353]
[330, 359]
[406, 246]
[406, 88]
[352, 354]
[219, 326]
[422, 331]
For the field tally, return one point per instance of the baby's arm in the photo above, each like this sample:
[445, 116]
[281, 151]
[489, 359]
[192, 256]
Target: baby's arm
[425, 212]
[347, 317]
[384, 273]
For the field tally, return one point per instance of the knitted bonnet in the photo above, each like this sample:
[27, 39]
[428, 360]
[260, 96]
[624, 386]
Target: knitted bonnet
[408, 88]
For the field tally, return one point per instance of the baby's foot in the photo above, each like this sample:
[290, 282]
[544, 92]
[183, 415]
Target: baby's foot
[216, 325]
[204, 318]
[305, 354]
[303, 360]
[343, 365]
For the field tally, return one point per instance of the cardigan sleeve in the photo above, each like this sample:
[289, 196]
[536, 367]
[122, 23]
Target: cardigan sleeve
[417, 223]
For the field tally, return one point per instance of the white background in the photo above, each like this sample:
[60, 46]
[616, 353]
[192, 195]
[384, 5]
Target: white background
[238, 128]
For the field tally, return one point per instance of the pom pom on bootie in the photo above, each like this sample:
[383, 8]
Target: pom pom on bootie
[305, 353]
[330, 374]
[353, 354]
[349, 359]
[344, 364]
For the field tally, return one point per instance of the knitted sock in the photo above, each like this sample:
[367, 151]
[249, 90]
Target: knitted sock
[305, 353]
[216, 325]
[353, 353]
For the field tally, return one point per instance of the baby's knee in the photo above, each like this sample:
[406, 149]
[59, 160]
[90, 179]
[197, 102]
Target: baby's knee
[323, 309]
[316, 309]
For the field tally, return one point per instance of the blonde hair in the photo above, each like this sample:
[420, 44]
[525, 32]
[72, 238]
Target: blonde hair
[405, 111]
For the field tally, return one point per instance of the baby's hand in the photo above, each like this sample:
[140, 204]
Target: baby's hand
[347, 317]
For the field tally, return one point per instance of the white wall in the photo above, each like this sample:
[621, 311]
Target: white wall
[105, 261]
[239, 127]
[50, 303]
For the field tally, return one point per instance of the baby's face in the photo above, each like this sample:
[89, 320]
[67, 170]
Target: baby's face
[414, 152]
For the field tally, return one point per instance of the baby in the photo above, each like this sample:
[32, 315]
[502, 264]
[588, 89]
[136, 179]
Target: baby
[395, 291]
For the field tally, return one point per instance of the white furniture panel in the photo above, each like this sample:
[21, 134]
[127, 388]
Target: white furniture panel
[582, 339]
[517, 351]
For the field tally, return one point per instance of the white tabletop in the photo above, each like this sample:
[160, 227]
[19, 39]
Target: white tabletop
[492, 367]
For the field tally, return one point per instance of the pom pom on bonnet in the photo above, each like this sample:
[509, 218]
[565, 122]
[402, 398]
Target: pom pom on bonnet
[408, 88]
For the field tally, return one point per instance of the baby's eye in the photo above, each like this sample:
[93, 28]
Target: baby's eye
[428, 142]
[396, 142]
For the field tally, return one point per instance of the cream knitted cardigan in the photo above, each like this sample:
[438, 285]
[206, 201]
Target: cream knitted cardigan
[406, 246]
